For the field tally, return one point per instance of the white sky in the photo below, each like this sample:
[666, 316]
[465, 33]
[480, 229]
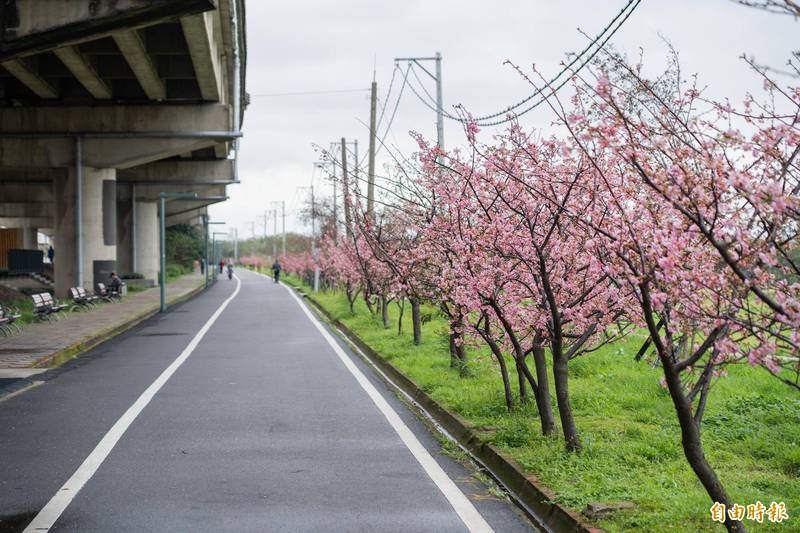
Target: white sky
[318, 45]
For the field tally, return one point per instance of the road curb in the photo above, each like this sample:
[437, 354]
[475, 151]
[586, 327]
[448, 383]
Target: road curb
[76, 349]
[525, 487]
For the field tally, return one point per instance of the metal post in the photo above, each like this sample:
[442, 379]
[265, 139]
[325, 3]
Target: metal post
[205, 226]
[235, 245]
[346, 191]
[314, 253]
[335, 214]
[439, 102]
[134, 266]
[283, 215]
[373, 104]
[355, 157]
[163, 249]
[437, 77]
[79, 210]
[214, 252]
[274, 234]
[266, 217]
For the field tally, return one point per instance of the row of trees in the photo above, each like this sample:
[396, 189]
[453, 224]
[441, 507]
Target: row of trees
[657, 210]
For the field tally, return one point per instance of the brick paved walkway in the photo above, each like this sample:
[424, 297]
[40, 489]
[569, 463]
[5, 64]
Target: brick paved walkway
[39, 342]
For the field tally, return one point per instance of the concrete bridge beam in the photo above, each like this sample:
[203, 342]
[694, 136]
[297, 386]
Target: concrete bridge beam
[84, 72]
[180, 171]
[124, 151]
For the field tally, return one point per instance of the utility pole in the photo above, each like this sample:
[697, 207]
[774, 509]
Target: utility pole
[314, 253]
[439, 98]
[439, 103]
[346, 192]
[274, 234]
[235, 245]
[283, 216]
[355, 157]
[373, 104]
[335, 209]
[265, 218]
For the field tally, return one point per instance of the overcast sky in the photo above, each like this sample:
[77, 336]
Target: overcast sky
[319, 45]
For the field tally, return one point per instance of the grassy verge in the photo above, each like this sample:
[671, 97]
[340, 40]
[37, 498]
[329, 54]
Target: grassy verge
[632, 450]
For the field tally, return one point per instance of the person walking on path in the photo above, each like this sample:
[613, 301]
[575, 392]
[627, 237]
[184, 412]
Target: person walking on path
[221, 265]
[50, 253]
[276, 271]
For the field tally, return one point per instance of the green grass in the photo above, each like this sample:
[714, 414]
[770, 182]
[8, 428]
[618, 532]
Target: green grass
[632, 451]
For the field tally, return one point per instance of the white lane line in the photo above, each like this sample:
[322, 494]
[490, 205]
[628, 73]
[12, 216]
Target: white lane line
[55, 507]
[461, 504]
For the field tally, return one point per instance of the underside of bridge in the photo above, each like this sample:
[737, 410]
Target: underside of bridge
[104, 106]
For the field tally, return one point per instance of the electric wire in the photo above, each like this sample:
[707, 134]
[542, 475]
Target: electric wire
[580, 58]
[394, 111]
[386, 100]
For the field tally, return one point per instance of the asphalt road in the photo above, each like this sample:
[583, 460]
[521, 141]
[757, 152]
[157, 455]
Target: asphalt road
[265, 426]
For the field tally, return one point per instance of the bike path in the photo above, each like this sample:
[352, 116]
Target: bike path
[262, 428]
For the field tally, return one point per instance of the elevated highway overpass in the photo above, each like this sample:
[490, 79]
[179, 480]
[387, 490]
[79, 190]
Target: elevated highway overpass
[104, 104]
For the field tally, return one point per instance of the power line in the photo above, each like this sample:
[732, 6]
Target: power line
[386, 100]
[394, 111]
[624, 14]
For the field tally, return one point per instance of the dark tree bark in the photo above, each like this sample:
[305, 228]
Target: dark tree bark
[352, 294]
[486, 334]
[523, 391]
[385, 311]
[401, 305]
[560, 362]
[458, 355]
[368, 298]
[561, 379]
[544, 408]
[690, 427]
[416, 320]
[543, 390]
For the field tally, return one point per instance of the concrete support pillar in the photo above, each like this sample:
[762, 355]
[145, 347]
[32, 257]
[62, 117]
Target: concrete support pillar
[147, 239]
[30, 240]
[125, 229]
[97, 229]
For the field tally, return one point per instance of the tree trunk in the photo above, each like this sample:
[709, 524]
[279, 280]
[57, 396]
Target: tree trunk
[402, 306]
[385, 311]
[458, 356]
[690, 429]
[693, 445]
[561, 379]
[368, 298]
[416, 321]
[487, 336]
[351, 298]
[509, 397]
[523, 390]
[543, 391]
[453, 356]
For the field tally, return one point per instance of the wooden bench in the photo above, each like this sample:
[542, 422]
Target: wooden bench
[8, 319]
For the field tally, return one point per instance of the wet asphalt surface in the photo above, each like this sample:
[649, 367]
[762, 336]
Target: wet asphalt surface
[262, 429]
